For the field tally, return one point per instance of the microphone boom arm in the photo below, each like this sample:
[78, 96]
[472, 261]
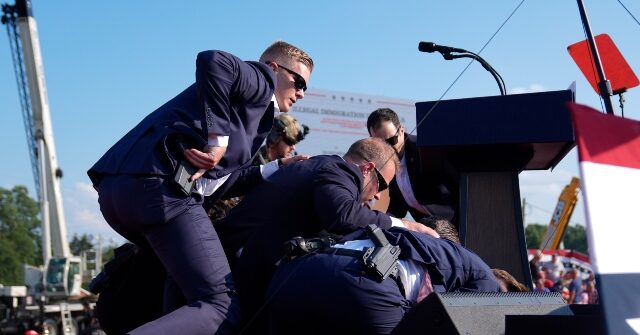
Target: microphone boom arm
[494, 73]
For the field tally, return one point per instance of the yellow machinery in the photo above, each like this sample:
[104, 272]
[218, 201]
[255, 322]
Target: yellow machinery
[561, 215]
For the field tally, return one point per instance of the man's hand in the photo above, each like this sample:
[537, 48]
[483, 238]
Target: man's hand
[290, 160]
[204, 160]
[420, 228]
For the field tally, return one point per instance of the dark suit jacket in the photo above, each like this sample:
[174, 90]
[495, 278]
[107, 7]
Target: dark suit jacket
[451, 266]
[325, 289]
[229, 98]
[434, 182]
[301, 199]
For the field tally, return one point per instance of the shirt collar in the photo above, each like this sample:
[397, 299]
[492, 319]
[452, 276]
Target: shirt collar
[276, 108]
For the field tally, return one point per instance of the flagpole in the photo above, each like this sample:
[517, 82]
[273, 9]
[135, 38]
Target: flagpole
[604, 85]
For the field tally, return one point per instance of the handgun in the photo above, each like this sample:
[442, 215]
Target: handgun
[382, 259]
[184, 171]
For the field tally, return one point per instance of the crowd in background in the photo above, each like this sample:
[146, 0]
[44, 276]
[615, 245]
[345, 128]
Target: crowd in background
[576, 286]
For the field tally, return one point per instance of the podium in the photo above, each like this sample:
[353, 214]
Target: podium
[489, 141]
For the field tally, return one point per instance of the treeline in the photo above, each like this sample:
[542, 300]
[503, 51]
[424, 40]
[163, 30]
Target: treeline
[20, 236]
[575, 237]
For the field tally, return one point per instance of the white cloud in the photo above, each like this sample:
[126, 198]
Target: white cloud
[87, 190]
[87, 218]
[83, 213]
[531, 89]
[541, 190]
[545, 182]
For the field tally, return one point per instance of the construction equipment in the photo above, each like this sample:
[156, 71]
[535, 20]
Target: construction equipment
[561, 215]
[53, 305]
[61, 267]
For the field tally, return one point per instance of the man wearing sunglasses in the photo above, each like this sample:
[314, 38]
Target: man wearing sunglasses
[422, 188]
[281, 141]
[152, 182]
[324, 193]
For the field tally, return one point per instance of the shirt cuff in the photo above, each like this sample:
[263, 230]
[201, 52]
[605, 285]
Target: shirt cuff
[218, 141]
[395, 222]
[268, 169]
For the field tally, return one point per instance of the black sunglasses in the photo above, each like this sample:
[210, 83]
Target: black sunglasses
[382, 184]
[298, 82]
[288, 141]
[393, 140]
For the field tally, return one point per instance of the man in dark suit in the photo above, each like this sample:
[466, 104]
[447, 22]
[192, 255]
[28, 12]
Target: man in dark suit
[327, 193]
[321, 290]
[422, 187]
[223, 119]
[280, 145]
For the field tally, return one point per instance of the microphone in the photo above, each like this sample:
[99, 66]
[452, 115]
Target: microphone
[446, 54]
[432, 47]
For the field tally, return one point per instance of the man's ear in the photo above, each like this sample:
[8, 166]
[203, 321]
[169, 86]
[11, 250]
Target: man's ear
[273, 65]
[369, 166]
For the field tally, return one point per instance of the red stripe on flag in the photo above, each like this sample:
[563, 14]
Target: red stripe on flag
[564, 253]
[606, 139]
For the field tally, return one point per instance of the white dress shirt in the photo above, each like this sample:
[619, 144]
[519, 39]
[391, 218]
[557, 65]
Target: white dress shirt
[206, 186]
[411, 274]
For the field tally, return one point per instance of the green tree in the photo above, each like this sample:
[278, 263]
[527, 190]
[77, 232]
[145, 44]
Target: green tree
[534, 233]
[19, 234]
[575, 238]
[108, 253]
[80, 244]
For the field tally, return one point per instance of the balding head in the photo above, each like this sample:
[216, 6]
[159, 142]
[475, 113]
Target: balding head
[378, 164]
[373, 150]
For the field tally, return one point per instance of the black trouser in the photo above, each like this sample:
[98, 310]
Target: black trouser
[332, 294]
[149, 210]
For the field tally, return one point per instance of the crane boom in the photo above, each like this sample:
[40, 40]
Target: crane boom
[561, 215]
[63, 271]
[47, 171]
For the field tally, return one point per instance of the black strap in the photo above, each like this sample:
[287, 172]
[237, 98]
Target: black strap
[342, 252]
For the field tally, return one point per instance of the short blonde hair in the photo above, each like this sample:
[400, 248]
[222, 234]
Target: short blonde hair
[283, 52]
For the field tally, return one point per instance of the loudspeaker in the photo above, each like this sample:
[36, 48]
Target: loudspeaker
[586, 319]
[476, 313]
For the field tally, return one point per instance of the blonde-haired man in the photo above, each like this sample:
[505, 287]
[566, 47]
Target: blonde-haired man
[152, 197]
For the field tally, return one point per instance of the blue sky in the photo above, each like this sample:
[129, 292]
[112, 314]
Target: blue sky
[108, 64]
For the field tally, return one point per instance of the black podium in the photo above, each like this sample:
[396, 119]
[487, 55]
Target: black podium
[489, 141]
